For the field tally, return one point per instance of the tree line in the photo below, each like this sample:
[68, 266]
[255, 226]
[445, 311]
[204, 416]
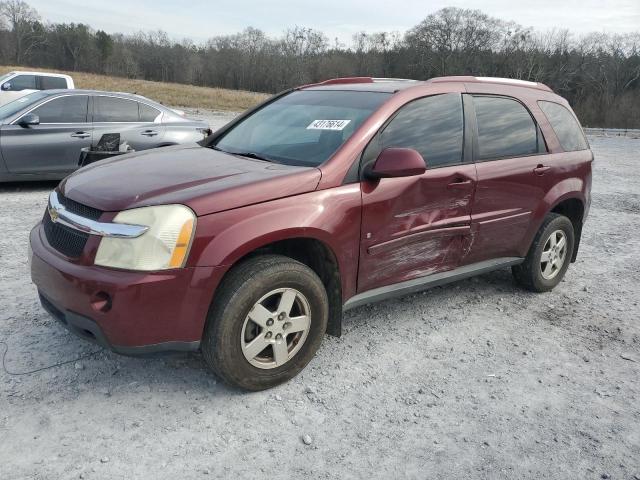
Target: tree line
[598, 73]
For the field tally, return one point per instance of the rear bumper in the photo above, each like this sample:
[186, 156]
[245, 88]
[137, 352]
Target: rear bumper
[128, 312]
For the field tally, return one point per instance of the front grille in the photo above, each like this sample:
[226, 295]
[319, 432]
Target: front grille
[79, 209]
[66, 240]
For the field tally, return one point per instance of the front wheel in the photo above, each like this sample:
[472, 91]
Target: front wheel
[549, 256]
[266, 322]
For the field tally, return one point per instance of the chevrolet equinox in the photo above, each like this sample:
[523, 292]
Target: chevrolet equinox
[250, 245]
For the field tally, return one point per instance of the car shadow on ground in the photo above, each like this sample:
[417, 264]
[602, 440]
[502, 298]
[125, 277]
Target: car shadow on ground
[438, 301]
[68, 361]
[108, 372]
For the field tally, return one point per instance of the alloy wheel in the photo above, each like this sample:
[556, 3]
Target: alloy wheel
[275, 328]
[553, 255]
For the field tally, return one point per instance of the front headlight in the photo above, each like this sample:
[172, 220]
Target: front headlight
[165, 245]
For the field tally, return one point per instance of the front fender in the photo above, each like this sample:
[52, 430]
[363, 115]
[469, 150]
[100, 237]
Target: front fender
[330, 216]
[255, 232]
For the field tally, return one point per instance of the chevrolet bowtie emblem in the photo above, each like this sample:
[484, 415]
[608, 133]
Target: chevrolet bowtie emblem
[53, 213]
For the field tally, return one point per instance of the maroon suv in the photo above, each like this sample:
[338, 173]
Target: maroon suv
[251, 245]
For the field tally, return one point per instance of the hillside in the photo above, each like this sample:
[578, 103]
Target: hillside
[172, 94]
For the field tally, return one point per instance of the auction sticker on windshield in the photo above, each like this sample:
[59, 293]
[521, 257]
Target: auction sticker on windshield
[328, 124]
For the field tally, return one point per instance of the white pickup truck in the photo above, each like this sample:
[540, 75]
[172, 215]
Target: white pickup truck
[14, 85]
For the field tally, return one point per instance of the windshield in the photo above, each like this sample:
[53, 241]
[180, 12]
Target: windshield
[302, 128]
[5, 76]
[21, 103]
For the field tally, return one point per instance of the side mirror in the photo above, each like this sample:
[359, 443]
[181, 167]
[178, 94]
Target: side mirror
[398, 162]
[29, 120]
[6, 86]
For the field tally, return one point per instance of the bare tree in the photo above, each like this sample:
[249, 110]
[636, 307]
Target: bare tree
[598, 73]
[301, 49]
[25, 29]
[454, 34]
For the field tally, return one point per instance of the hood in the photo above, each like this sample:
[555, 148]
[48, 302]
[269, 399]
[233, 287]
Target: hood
[204, 179]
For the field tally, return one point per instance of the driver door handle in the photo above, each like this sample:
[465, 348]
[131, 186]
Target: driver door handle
[149, 133]
[460, 182]
[81, 135]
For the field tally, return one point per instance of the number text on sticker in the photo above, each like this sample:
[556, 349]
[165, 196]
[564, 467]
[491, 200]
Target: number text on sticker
[328, 124]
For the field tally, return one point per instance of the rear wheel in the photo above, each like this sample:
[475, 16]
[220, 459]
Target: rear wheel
[549, 256]
[266, 322]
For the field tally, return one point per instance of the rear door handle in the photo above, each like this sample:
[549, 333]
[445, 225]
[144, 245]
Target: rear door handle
[149, 133]
[81, 135]
[541, 169]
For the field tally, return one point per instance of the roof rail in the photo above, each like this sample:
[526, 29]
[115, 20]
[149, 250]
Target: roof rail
[507, 81]
[342, 80]
[346, 80]
[383, 79]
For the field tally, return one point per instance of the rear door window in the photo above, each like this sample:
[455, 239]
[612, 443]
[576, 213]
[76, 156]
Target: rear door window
[114, 110]
[565, 125]
[70, 109]
[505, 128]
[52, 83]
[23, 82]
[434, 126]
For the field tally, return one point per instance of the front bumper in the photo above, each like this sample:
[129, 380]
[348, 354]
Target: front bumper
[90, 330]
[128, 312]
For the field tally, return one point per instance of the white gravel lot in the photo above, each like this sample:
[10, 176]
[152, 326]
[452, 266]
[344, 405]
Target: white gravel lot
[477, 379]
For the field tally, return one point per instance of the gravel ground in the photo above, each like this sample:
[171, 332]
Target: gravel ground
[478, 379]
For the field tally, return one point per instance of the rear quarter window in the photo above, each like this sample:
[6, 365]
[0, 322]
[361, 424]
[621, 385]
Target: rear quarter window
[147, 113]
[565, 126]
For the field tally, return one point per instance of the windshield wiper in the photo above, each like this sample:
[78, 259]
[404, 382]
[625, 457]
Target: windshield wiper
[253, 155]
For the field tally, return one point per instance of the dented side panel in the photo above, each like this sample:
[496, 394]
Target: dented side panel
[415, 226]
[507, 194]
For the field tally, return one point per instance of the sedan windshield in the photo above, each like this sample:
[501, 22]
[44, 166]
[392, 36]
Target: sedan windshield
[20, 104]
[302, 128]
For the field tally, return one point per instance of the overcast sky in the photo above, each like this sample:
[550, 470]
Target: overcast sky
[201, 19]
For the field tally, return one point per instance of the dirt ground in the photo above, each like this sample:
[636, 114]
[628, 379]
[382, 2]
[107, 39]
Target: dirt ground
[477, 379]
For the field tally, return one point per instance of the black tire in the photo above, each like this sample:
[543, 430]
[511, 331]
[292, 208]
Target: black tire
[529, 273]
[242, 287]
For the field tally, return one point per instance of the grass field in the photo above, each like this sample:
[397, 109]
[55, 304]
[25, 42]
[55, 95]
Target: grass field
[173, 94]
